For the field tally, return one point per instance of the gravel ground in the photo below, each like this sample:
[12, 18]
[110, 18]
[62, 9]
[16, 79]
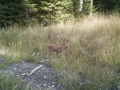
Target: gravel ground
[45, 78]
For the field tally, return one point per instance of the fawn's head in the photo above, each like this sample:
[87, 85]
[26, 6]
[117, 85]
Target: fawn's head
[66, 47]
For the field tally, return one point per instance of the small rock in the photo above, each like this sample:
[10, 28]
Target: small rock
[53, 82]
[22, 62]
[18, 75]
[44, 77]
[44, 85]
[49, 87]
[36, 53]
[15, 68]
[24, 74]
[118, 87]
[1, 60]
[59, 84]
[53, 86]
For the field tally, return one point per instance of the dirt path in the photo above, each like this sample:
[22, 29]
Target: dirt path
[45, 78]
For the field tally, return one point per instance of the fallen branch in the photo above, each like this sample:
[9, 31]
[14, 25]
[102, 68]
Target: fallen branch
[34, 70]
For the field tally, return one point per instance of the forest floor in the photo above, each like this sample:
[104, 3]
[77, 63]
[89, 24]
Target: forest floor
[44, 78]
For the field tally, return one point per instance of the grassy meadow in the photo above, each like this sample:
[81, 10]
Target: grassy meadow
[94, 53]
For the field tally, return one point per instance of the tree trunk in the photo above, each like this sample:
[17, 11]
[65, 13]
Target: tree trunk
[91, 8]
[81, 5]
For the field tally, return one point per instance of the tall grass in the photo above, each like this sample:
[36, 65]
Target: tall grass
[10, 82]
[94, 50]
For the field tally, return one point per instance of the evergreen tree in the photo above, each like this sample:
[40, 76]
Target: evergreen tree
[11, 11]
[114, 6]
[86, 7]
[107, 6]
[52, 11]
[30, 11]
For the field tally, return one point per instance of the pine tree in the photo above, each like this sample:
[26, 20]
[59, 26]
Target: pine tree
[53, 11]
[86, 7]
[107, 6]
[12, 11]
[76, 7]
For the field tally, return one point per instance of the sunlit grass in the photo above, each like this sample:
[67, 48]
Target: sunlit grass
[94, 49]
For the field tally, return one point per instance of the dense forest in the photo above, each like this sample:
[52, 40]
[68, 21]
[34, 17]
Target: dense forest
[24, 12]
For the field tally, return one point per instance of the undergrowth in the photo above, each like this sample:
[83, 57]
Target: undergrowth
[11, 82]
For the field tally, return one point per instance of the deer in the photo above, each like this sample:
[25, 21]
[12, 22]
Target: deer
[58, 49]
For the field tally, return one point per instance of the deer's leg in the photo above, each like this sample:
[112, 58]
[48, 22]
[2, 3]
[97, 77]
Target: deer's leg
[48, 53]
[57, 55]
[59, 52]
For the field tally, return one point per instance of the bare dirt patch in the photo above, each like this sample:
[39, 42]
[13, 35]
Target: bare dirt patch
[44, 78]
